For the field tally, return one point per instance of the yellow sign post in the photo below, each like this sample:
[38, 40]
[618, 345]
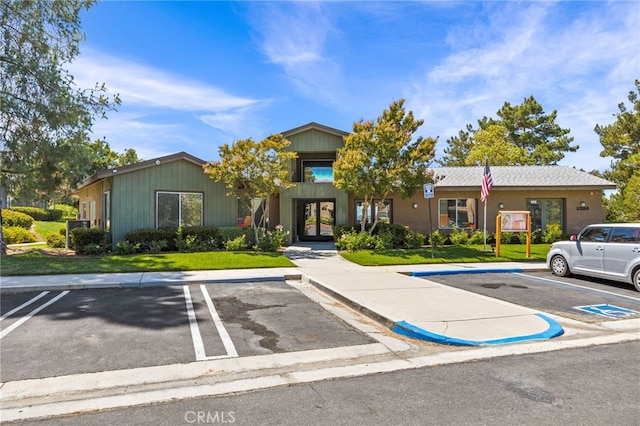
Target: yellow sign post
[513, 221]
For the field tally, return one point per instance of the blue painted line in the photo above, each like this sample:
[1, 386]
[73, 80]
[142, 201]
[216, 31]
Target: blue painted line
[465, 271]
[406, 329]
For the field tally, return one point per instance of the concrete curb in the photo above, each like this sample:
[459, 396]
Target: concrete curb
[406, 329]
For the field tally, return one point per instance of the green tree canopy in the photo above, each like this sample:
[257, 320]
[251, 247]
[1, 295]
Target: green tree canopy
[45, 119]
[530, 136]
[621, 140]
[380, 158]
[253, 171]
[105, 158]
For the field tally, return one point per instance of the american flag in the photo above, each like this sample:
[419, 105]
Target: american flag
[487, 182]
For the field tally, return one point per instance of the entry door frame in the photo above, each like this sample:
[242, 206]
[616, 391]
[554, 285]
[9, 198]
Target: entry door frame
[301, 219]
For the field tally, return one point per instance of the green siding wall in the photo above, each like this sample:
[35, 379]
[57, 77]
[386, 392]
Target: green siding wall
[133, 196]
[315, 141]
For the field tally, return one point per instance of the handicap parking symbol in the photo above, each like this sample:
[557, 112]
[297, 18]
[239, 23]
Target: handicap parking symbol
[607, 310]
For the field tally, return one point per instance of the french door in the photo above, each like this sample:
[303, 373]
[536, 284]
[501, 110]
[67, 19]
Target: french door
[316, 218]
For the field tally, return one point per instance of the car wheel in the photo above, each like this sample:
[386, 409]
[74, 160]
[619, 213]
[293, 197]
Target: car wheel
[636, 279]
[559, 266]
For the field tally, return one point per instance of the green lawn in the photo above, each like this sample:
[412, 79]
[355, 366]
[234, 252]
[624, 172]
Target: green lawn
[449, 254]
[44, 229]
[34, 262]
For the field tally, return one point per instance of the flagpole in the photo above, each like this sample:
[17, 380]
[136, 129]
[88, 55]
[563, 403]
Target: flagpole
[485, 225]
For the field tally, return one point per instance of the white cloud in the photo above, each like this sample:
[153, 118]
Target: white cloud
[139, 84]
[582, 69]
[294, 36]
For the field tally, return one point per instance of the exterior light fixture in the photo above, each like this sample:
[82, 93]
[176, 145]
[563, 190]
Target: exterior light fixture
[501, 206]
[415, 205]
[582, 206]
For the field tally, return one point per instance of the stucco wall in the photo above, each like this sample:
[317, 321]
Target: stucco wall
[418, 218]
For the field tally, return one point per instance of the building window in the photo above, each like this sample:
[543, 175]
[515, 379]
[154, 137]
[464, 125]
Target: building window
[385, 212]
[84, 210]
[175, 209]
[546, 212]
[457, 212]
[317, 171]
[107, 211]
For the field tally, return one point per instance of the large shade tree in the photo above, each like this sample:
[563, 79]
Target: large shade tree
[381, 158]
[521, 134]
[621, 140]
[45, 119]
[252, 172]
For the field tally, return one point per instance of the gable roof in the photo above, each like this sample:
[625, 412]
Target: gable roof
[139, 166]
[315, 126]
[521, 177]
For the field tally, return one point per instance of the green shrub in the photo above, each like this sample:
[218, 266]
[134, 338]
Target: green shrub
[340, 230]
[552, 234]
[398, 233]
[45, 215]
[126, 247]
[458, 236]
[272, 240]
[56, 241]
[16, 218]
[17, 235]
[414, 240]
[510, 238]
[537, 236]
[233, 232]
[477, 237]
[89, 240]
[353, 241]
[146, 237]
[197, 239]
[236, 244]
[383, 241]
[436, 239]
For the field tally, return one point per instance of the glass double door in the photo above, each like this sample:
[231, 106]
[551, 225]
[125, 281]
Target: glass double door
[316, 218]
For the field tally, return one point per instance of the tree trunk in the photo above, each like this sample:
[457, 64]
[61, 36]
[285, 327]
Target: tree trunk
[3, 244]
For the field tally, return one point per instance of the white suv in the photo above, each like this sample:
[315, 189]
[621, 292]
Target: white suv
[610, 250]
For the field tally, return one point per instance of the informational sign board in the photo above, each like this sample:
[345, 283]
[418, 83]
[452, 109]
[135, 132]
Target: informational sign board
[428, 190]
[513, 221]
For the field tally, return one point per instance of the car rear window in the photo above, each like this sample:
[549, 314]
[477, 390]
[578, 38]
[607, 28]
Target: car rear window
[625, 235]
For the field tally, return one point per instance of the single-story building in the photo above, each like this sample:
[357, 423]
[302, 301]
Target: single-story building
[173, 190]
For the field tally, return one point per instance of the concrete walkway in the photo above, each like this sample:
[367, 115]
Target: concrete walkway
[410, 306]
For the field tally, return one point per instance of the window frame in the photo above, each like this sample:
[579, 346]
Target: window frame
[473, 210]
[323, 163]
[180, 207]
[373, 208]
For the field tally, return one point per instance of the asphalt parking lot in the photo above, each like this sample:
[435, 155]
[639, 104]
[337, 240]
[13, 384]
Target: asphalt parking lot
[45, 334]
[580, 298]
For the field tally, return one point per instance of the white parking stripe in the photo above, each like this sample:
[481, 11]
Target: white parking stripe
[587, 289]
[15, 325]
[27, 303]
[198, 345]
[224, 335]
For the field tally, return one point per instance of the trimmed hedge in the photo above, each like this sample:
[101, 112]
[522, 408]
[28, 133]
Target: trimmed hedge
[17, 235]
[45, 215]
[56, 241]
[12, 218]
[398, 232]
[89, 240]
[196, 238]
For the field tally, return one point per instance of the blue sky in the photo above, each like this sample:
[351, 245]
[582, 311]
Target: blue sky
[195, 75]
